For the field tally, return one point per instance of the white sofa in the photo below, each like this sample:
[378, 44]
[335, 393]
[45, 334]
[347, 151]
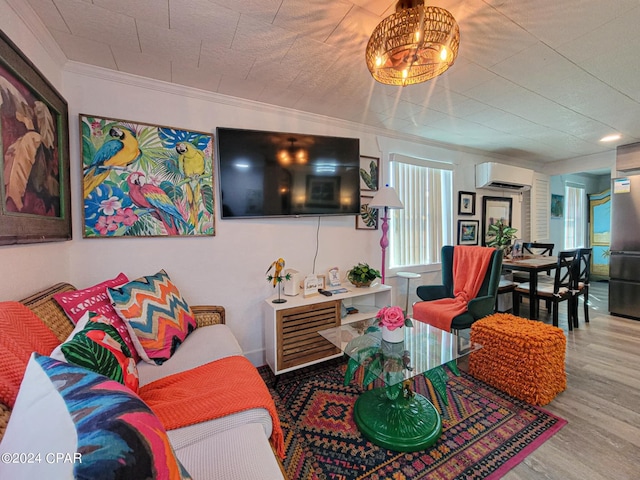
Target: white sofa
[233, 447]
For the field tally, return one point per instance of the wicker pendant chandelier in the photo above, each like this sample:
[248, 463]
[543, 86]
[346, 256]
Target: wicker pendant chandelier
[413, 45]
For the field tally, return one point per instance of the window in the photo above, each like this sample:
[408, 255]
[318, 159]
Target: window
[419, 230]
[575, 225]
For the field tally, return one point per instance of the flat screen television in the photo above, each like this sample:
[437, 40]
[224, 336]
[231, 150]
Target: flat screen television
[272, 174]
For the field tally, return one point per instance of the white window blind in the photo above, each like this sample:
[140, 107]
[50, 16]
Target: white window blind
[575, 224]
[540, 208]
[418, 231]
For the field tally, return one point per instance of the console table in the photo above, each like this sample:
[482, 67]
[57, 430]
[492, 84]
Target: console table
[291, 329]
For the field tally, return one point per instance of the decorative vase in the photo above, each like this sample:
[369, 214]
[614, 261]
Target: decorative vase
[392, 336]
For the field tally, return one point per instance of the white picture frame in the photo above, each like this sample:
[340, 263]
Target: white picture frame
[310, 286]
[334, 277]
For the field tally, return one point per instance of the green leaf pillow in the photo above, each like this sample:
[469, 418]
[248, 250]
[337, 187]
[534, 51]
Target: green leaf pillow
[96, 345]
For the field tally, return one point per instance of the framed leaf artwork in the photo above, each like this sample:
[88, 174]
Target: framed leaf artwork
[145, 180]
[368, 218]
[369, 168]
[34, 164]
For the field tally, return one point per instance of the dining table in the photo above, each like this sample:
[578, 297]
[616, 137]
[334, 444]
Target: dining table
[533, 264]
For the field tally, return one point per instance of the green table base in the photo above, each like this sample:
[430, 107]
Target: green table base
[402, 424]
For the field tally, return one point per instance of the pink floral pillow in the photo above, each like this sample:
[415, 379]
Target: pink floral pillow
[95, 299]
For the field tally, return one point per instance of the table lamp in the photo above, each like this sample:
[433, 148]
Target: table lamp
[386, 197]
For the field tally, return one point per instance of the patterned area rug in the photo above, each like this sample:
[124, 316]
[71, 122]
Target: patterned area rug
[486, 432]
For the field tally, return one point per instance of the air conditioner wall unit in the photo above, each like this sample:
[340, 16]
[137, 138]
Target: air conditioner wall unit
[500, 176]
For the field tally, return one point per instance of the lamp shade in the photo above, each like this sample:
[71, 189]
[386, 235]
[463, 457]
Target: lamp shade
[386, 197]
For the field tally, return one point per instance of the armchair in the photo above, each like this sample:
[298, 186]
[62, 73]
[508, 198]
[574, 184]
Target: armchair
[481, 305]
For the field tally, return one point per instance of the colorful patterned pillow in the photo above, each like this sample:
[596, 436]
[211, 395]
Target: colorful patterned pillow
[95, 299]
[82, 425]
[157, 316]
[95, 344]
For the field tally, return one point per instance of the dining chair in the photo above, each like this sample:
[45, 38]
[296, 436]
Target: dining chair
[556, 292]
[536, 248]
[582, 271]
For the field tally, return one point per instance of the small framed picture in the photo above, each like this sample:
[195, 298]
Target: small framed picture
[334, 277]
[322, 281]
[368, 218]
[466, 203]
[310, 286]
[468, 232]
[369, 167]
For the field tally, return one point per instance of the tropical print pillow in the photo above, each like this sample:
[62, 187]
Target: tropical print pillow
[94, 427]
[95, 344]
[156, 314]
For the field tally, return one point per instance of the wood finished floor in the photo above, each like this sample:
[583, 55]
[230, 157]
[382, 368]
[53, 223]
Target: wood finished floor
[601, 403]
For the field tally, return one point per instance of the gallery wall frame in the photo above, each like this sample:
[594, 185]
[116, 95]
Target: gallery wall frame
[466, 203]
[35, 200]
[468, 232]
[368, 217]
[369, 173]
[494, 209]
[557, 206]
[143, 180]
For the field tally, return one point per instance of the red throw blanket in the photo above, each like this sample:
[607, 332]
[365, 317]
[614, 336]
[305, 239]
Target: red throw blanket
[469, 268]
[226, 386]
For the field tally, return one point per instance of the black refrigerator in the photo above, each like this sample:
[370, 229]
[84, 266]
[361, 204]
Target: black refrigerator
[624, 263]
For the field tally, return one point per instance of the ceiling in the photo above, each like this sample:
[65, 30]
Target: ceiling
[536, 80]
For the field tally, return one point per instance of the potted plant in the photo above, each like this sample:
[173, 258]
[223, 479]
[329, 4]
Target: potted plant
[501, 236]
[362, 275]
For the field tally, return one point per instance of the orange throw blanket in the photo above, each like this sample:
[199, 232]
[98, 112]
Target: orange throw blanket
[226, 386]
[469, 268]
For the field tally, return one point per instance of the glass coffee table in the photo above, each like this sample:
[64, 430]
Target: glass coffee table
[392, 415]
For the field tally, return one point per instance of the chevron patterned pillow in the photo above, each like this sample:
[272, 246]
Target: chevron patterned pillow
[156, 315]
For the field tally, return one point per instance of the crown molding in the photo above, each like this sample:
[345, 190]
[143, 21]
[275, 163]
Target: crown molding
[165, 87]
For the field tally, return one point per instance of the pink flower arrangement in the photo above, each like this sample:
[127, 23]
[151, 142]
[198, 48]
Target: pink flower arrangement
[391, 317]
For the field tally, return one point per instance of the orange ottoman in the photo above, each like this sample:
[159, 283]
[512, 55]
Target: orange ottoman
[523, 358]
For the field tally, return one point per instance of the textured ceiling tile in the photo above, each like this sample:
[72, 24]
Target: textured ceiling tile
[284, 97]
[491, 37]
[153, 11]
[49, 14]
[557, 22]
[314, 18]
[227, 61]
[353, 32]
[204, 20]
[203, 78]
[87, 51]
[100, 24]
[380, 8]
[237, 87]
[169, 43]
[143, 65]
[259, 38]
[264, 10]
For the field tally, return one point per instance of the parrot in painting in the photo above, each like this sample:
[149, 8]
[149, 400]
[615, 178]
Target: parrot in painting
[156, 200]
[121, 150]
[191, 165]
[278, 265]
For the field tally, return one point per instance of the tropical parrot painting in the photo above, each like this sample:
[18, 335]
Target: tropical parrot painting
[120, 151]
[145, 180]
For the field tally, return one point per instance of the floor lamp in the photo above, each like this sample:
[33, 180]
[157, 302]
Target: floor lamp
[386, 197]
